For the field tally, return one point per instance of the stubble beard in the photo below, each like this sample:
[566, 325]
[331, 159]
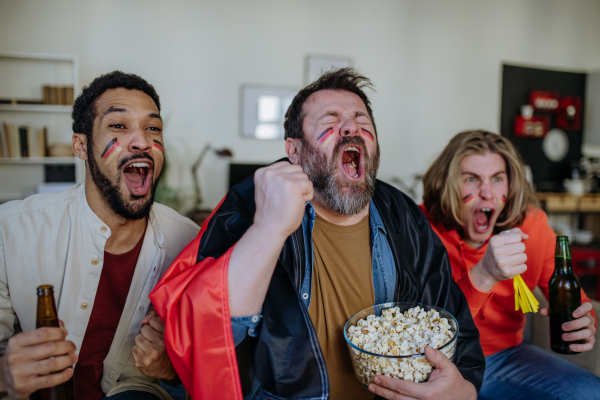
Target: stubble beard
[111, 192]
[331, 190]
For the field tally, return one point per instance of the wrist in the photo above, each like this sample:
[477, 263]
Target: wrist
[272, 231]
[480, 279]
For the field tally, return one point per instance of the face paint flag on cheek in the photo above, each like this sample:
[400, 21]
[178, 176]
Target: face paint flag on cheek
[468, 199]
[158, 149]
[503, 199]
[325, 137]
[369, 135]
[112, 150]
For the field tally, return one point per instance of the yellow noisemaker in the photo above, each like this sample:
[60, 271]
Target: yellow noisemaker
[524, 299]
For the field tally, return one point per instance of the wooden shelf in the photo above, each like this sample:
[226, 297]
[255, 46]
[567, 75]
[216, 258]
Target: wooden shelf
[564, 202]
[36, 108]
[39, 161]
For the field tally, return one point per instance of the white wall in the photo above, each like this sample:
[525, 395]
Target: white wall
[436, 64]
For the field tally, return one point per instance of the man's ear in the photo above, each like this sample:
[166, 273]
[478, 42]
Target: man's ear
[292, 148]
[79, 145]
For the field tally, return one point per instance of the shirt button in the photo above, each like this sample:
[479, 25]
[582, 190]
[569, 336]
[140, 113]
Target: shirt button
[83, 306]
[103, 229]
[141, 308]
[95, 261]
[305, 296]
[254, 319]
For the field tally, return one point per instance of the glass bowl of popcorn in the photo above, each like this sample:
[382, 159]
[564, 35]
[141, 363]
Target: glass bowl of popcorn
[390, 338]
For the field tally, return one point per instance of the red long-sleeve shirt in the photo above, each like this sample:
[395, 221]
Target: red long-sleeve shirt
[500, 326]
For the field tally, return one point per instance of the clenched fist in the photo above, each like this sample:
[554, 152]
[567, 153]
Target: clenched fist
[149, 351]
[282, 190]
[504, 258]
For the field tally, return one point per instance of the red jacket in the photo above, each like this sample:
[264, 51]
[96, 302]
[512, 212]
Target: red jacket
[500, 326]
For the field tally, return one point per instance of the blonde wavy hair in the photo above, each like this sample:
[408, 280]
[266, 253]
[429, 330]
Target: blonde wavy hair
[442, 182]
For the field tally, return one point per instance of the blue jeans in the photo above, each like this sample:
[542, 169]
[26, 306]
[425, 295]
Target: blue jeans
[530, 373]
[133, 395]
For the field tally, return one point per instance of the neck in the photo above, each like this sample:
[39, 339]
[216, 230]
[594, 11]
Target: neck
[473, 244]
[325, 212]
[125, 233]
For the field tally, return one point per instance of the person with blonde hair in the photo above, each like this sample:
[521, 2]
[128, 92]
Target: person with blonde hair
[478, 201]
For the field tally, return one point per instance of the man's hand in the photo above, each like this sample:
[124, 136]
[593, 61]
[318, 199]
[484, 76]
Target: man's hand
[445, 382]
[504, 258]
[36, 360]
[584, 321]
[282, 190]
[149, 351]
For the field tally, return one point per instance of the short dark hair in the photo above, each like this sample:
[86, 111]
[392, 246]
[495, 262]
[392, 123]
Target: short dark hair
[84, 109]
[340, 79]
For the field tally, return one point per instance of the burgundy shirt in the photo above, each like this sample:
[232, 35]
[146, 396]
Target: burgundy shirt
[113, 288]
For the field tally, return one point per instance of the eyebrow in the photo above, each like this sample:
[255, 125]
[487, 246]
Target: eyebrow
[477, 175]
[331, 113]
[113, 109]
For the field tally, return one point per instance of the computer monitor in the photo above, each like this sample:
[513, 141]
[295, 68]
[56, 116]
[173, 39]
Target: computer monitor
[239, 172]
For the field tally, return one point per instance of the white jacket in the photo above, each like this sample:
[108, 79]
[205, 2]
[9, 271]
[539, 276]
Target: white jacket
[57, 239]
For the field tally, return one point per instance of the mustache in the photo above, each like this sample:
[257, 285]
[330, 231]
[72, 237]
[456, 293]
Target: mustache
[134, 156]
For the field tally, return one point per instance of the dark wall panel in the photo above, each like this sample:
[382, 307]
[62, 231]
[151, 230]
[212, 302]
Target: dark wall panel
[517, 83]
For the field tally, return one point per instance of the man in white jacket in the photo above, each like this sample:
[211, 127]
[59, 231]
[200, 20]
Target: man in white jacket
[103, 245]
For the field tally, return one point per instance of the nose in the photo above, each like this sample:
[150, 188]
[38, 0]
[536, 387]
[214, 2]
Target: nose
[349, 128]
[139, 142]
[485, 191]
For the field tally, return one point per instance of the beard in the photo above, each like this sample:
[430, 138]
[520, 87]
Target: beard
[136, 208]
[343, 197]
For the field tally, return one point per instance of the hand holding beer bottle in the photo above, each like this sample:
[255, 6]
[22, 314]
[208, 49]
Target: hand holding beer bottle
[37, 359]
[571, 324]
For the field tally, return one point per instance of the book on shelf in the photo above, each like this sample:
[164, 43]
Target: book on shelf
[57, 95]
[3, 148]
[22, 141]
[15, 142]
[41, 137]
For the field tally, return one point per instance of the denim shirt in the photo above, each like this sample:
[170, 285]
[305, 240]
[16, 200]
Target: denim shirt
[384, 270]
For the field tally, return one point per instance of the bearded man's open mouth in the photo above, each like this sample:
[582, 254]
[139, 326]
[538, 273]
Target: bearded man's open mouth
[137, 175]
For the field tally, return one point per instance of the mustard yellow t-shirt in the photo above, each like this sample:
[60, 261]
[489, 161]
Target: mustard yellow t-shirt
[342, 285]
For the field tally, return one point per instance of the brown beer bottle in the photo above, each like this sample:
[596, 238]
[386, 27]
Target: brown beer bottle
[565, 296]
[48, 317]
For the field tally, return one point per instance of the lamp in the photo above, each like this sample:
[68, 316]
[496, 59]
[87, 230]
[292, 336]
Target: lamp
[197, 214]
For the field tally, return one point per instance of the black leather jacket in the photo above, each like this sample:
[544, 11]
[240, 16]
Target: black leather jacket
[285, 357]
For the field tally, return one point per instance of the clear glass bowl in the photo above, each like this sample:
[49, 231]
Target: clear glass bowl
[367, 365]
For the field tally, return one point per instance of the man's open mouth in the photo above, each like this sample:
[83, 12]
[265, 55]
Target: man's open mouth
[138, 176]
[352, 163]
[483, 216]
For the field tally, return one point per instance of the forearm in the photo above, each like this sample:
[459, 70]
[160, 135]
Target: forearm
[251, 266]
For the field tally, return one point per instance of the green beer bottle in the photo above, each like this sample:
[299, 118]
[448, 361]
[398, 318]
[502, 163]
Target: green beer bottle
[565, 296]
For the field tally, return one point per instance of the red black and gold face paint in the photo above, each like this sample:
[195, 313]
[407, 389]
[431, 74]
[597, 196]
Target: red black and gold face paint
[468, 199]
[369, 135]
[157, 146]
[504, 199]
[111, 151]
[326, 137]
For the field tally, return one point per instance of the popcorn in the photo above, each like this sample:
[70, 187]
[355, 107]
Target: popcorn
[395, 333]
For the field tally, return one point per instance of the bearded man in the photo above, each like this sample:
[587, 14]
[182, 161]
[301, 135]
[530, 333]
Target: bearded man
[103, 245]
[292, 253]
